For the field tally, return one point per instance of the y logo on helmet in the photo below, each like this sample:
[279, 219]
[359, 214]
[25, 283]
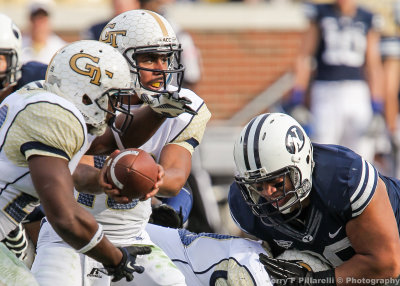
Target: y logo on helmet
[294, 139]
[110, 37]
[91, 71]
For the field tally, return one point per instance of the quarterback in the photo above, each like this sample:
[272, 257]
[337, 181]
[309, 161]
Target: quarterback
[324, 199]
[155, 68]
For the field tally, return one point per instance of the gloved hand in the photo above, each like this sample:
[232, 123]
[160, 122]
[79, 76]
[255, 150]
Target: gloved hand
[296, 98]
[127, 267]
[17, 242]
[165, 215]
[292, 273]
[168, 104]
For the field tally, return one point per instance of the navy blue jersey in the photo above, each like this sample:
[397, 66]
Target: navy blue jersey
[343, 184]
[31, 71]
[343, 42]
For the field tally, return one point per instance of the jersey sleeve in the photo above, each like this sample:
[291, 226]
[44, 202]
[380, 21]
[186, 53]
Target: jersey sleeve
[44, 129]
[362, 184]
[192, 134]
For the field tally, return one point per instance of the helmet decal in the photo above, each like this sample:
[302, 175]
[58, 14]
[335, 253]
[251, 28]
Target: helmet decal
[110, 37]
[294, 140]
[91, 71]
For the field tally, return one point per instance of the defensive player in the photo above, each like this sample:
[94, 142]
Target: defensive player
[154, 60]
[45, 131]
[322, 198]
[342, 43]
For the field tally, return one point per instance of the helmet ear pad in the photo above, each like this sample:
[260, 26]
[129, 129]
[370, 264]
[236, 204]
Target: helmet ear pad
[274, 144]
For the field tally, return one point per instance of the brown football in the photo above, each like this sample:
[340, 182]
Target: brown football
[133, 171]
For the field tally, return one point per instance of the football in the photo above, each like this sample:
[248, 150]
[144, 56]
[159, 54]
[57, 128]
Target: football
[133, 171]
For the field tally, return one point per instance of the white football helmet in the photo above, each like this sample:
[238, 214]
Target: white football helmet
[92, 75]
[271, 146]
[10, 47]
[140, 31]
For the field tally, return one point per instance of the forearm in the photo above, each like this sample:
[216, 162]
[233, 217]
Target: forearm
[145, 123]
[80, 231]
[359, 268]
[173, 182]
[86, 179]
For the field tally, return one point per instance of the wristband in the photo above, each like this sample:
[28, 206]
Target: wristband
[297, 96]
[377, 106]
[97, 237]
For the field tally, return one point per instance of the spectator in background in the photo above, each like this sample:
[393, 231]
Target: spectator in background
[191, 59]
[347, 86]
[41, 43]
[119, 6]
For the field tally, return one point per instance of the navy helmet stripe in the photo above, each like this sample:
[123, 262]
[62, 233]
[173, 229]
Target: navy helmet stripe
[257, 141]
[245, 141]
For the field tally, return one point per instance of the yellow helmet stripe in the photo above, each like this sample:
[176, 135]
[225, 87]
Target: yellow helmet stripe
[160, 22]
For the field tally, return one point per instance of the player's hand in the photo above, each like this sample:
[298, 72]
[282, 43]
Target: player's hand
[285, 272]
[168, 104]
[165, 215]
[157, 185]
[127, 266]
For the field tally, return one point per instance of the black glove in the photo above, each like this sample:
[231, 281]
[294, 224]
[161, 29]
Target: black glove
[292, 273]
[127, 265]
[165, 215]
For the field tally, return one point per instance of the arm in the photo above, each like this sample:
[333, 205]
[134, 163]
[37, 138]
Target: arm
[303, 64]
[375, 239]
[53, 182]
[374, 68]
[86, 177]
[177, 164]
[391, 67]
[144, 124]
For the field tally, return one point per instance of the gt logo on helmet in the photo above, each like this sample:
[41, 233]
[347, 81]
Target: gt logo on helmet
[294, 140]
[110, 37]
[90, 70]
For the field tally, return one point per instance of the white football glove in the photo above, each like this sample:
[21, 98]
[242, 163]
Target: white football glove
[168, 104]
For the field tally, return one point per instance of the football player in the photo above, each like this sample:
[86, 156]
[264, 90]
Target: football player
[45, 130]
[149, 44]
[325, 199]
[346, 88]
[14, 75]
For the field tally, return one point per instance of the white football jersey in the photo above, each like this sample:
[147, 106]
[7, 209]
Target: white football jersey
[34, 122]
[212, 259]
[124, 223]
